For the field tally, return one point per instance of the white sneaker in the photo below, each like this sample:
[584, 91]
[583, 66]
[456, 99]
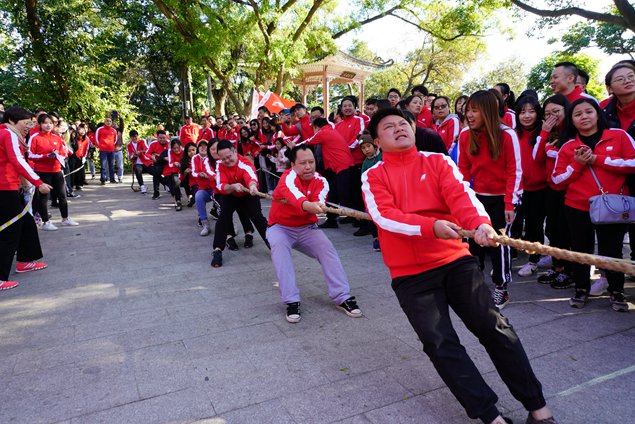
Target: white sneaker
[48, 226]
[545, 262]
[528, 269]
[205, 230]
[69, 222]
[144, 190]
[599, 287]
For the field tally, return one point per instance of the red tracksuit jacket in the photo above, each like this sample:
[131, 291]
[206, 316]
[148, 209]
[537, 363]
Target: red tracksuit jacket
[198, 166]
[500, 177]
[43, 144]
[170, 167]
[293, 130]
[206, 134]
[242, 172]
[425, 119]
[351, 127]
[577, 93]
[106, 137]
[189, 134]
[82, 147]
[295, 191]
[335, 151]
[12, 163]
[405, 193]
[533, 160]
[156, 148]
[449, 130]
[615, 159]
[509, 118]
[132, 149]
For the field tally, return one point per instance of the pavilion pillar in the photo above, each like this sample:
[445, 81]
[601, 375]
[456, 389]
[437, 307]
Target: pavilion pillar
[304, 93]
[325, 90]
[361, 94]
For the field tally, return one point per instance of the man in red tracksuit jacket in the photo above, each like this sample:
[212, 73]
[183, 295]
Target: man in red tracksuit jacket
[418, 200]
[563, 79]
[302, 125]
[106, 137]
[237, 181]
[292, 225]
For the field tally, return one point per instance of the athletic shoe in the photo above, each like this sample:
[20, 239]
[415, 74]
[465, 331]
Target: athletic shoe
[205, 231]
[73, 195]
[217, 260]
[144, 190]
[231, 244]
[501, 298]
[293, 312]
[376, 246]
[545, 262]
[191, 202]
[249, 241]
[618, 302]
[113, 181]
[103, 183]
[598, 288]
[532, 420]
[179, 206]
[48, 226]
[156, 195]
[329, 224]
[6, 285]
[562, 281]
[528, 269]
[119, 181]
[579, 299]
[67, 222]
[549, 277]
[350, 308]
[29, 266]
[361, 232]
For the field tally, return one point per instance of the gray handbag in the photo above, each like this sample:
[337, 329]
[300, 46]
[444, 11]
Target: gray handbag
[608, 208]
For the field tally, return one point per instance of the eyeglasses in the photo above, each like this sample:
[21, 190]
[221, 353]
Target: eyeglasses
[622, 80]
[554, 112]
[439, 107]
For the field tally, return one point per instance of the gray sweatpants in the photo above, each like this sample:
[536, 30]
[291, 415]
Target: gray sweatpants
[311, 241]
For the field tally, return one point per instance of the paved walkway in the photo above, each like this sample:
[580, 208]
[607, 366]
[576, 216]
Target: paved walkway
[130, 324]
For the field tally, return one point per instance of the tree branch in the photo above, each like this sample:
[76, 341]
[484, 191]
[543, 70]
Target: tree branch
[427, 31]
[307, 20]
[627, 11]
[356, 25]
[588, 14]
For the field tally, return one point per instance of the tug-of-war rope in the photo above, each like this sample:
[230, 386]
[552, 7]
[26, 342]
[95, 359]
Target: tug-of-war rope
[603, 262]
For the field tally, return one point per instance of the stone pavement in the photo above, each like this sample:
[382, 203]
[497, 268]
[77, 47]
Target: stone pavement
[130, 324]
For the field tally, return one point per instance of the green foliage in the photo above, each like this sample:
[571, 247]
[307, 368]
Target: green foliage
[539, 75]
[510, 72]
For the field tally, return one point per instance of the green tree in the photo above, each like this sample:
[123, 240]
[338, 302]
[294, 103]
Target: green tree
[510, 72]
[539, 75]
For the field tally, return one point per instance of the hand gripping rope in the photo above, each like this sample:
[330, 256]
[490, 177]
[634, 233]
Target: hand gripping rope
[603, 262]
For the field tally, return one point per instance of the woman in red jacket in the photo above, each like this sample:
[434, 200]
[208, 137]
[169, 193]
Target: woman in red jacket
[48, 150]
[171, 160]
[610, 154]
[79, 144]
[534, 204]
[489, 157]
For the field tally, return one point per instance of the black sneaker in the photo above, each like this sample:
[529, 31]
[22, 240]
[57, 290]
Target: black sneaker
[156, 195]
[618, 302]
[329, 224]
[501, 297]
[293, 312]
[532, 420]
[103, 183]
[231, 244]
[191, 202]
[579, 299]
[350, 308]
[249, 241]
[549, 277]
[179, 206]
[217, 260]
[562, 281]
[361, 232]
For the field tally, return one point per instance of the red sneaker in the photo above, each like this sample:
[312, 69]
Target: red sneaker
[29, 266]
[6, 285]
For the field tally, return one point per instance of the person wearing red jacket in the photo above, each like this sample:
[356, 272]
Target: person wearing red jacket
[489, 158]
[562, 81]
[236, 180]
[292, 225]
[154, 152]
[610, 154]
[204, 177]
[106, 138]
[298, 123]
[79, 145]
[141, 163]
[229, 132]
[21, 236]
[189, 133]
[206, 133]
[338, 165]
[448, 125]
[48, 151]
[419, 200]
[171, 162]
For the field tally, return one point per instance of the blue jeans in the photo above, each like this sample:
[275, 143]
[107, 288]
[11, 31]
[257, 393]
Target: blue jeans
[202, 197]
[107, 160]
[119, 163]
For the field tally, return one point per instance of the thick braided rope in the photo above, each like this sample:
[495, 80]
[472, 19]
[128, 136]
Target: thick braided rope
[610, 264]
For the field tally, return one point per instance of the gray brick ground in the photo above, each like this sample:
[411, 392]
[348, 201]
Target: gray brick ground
[130, 324]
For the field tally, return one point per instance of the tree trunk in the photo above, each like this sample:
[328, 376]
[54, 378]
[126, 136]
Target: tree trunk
[220, 97]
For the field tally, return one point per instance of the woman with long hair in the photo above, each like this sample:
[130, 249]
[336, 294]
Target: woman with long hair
[489, 158]
[448, 125]
[459, 109]
[529, 114]
[79, 145]
[414, 104]
[48, 150]
[553, 135]
[596, 160]
[509, 104]
[171, 160]
[189, 183]
[20, 237]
